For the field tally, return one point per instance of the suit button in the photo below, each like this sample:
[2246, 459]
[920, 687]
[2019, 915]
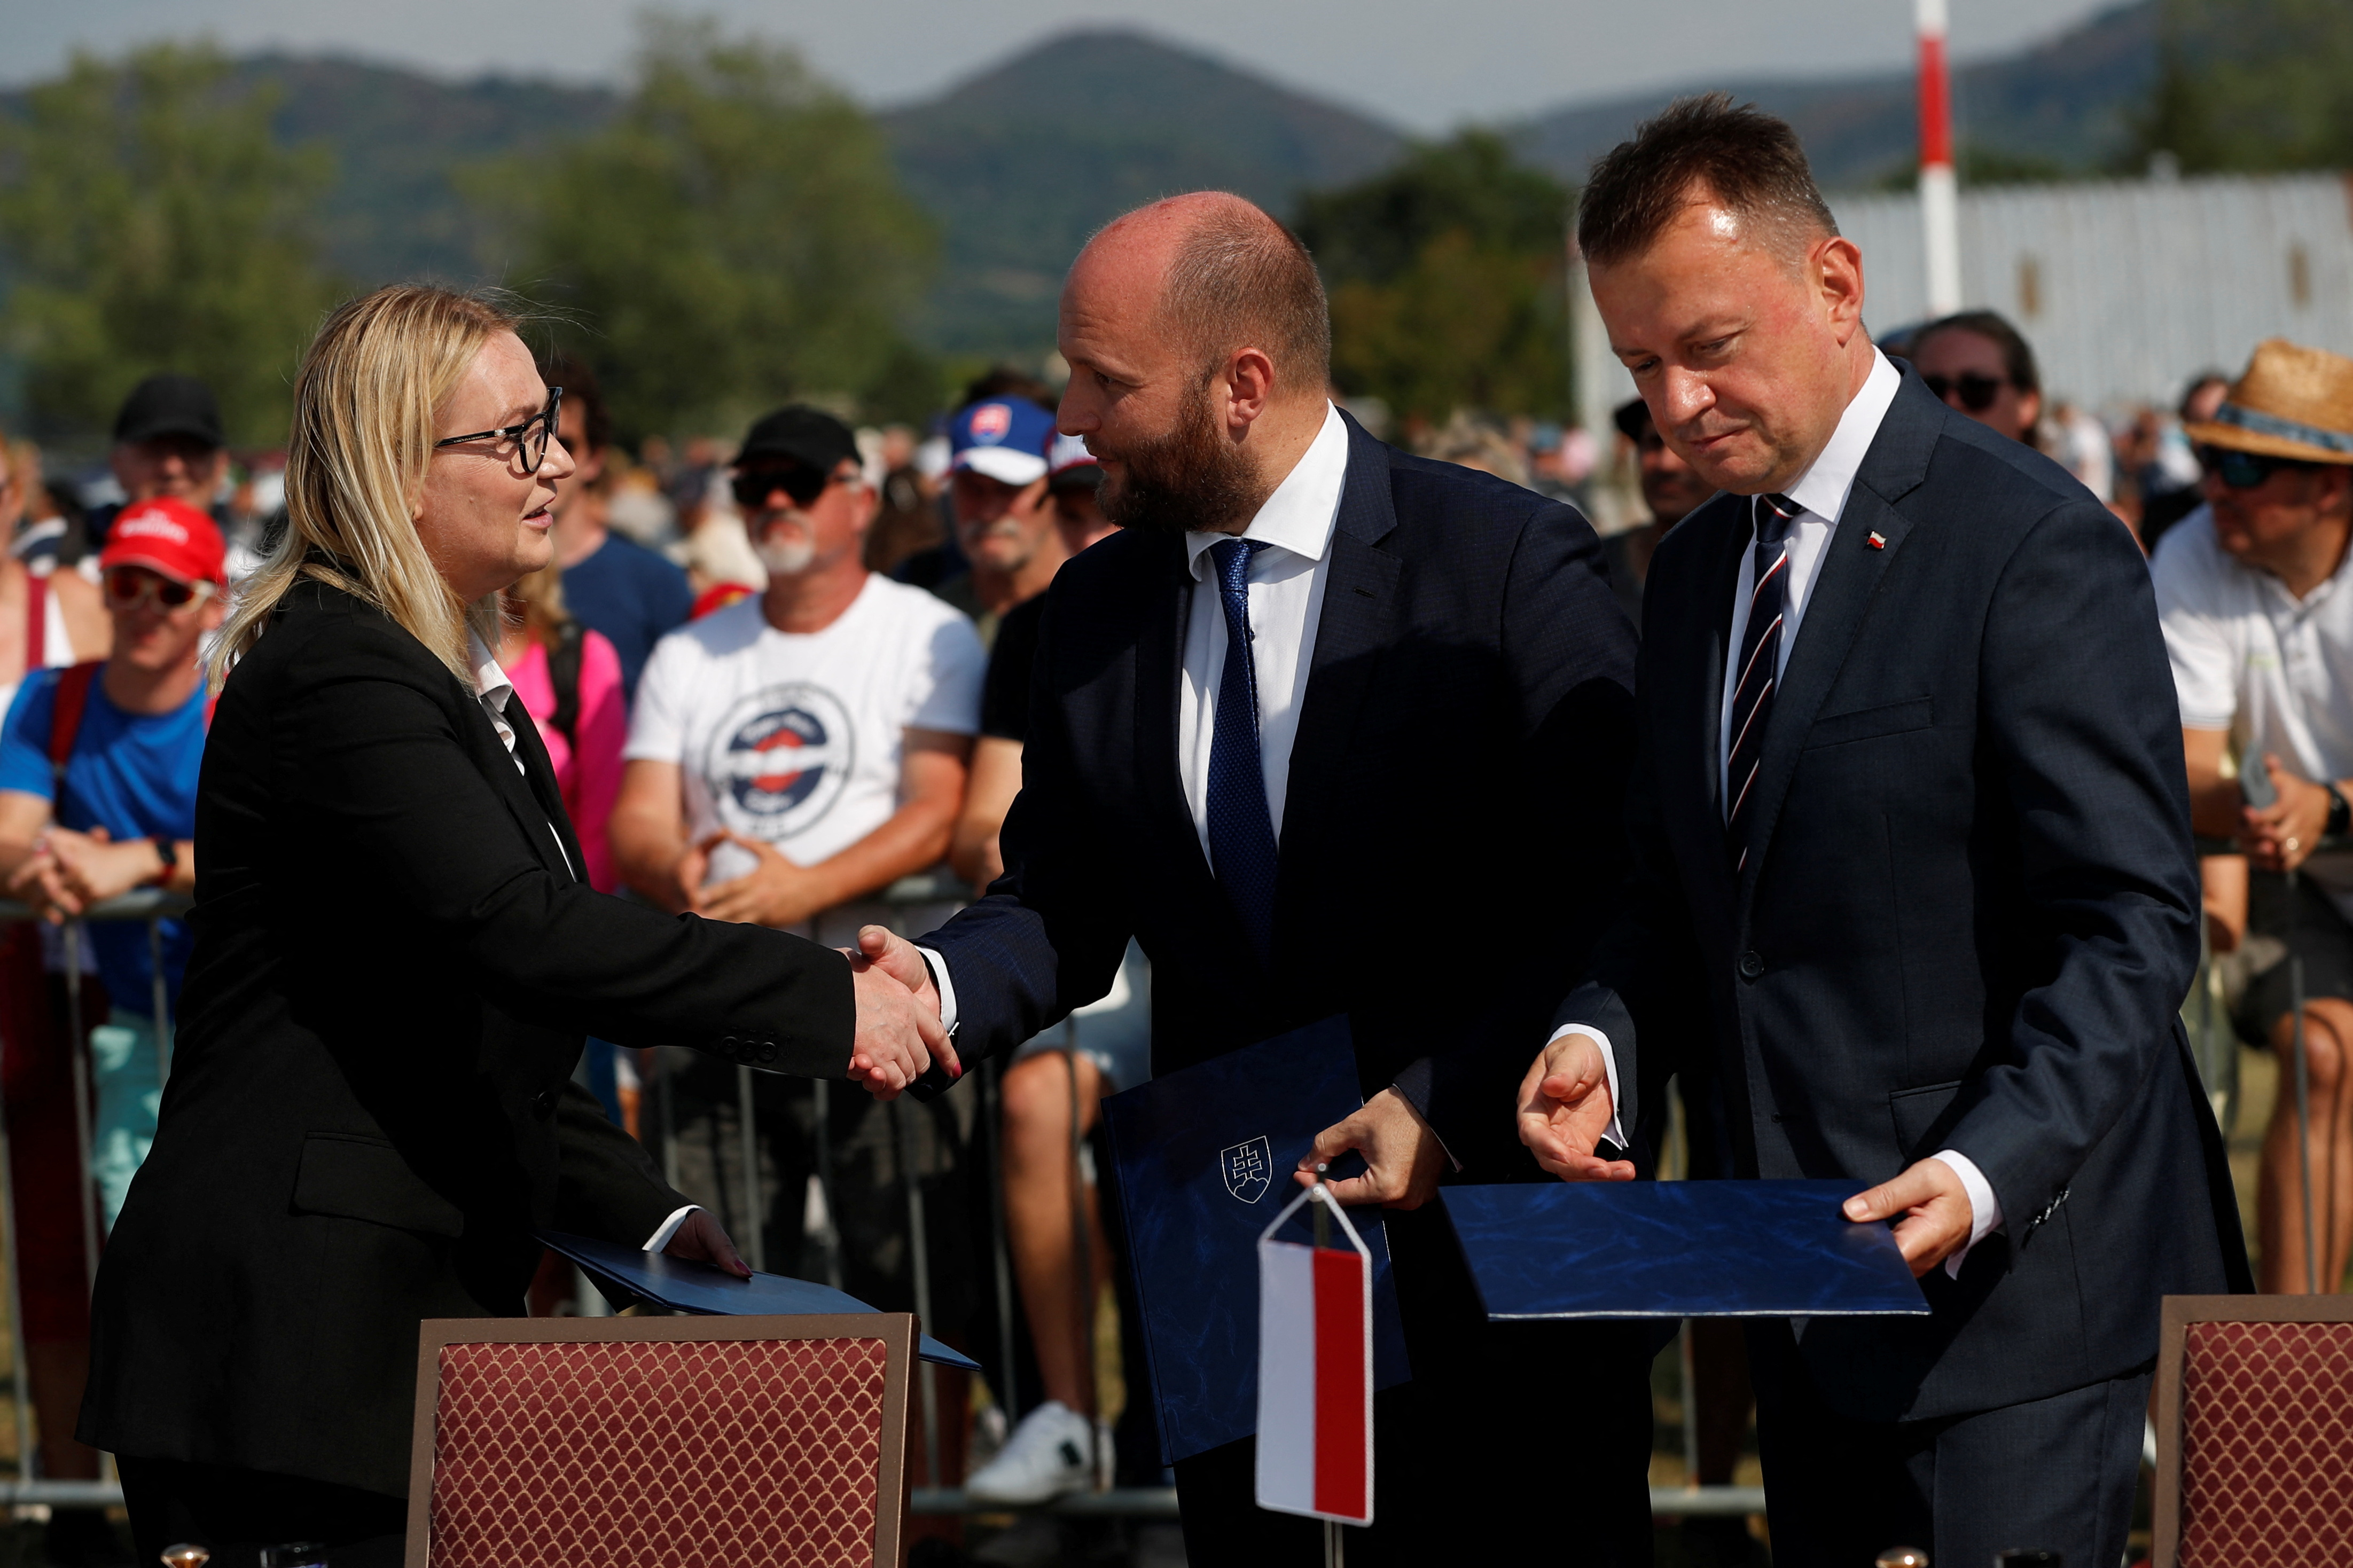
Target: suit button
[543, 1104]
[1751, 965]
[769, 1049]
[730, 1048]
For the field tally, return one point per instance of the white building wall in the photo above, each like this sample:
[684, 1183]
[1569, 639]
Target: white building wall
[2127, 288]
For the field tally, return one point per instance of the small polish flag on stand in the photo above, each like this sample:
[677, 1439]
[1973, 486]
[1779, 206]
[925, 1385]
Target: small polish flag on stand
[1315, 1372]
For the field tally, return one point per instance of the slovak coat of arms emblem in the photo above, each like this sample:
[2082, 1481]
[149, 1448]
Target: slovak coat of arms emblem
[1248, 1169]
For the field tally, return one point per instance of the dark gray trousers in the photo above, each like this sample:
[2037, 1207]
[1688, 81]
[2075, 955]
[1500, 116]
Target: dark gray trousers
[2056, 1474]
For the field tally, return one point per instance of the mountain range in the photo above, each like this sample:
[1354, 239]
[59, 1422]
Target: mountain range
[1020, 163]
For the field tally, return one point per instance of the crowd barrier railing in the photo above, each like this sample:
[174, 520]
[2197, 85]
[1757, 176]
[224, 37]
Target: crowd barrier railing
[152, 906]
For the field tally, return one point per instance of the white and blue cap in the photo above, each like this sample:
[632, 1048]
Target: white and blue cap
[1003, 438]
[1071, 466]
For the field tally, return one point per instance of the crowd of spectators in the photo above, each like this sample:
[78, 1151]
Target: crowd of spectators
[783, 678]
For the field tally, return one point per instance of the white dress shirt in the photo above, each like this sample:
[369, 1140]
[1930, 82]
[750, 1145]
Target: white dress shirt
[1286, 604]
[494, 690]
[1822, 491]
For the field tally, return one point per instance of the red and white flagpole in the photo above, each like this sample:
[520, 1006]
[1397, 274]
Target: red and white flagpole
[1940, 221]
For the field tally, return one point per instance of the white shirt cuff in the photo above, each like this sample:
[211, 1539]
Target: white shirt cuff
[941, 982]
[1985, 1209]
[667, 1229]
[1616, 1133]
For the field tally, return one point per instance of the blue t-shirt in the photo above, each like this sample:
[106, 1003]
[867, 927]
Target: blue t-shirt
[632, 595]
[133, 774]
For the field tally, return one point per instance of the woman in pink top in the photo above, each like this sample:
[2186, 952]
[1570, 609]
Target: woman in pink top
[585, 744]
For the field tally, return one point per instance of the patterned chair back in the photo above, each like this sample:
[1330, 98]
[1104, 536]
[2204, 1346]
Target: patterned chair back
[2254, 1432]
[660, 1442]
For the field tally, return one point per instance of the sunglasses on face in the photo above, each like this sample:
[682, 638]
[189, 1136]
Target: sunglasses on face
[2242, 471]
[128, 585]
[801, 484]
[530, 437]
[1977, 390]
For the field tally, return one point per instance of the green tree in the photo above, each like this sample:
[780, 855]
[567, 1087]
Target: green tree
[149, 223]
[2252, 84]
[736, 238]
[1446, 277]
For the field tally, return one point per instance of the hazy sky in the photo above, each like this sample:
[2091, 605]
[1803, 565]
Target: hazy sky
[1424, 64]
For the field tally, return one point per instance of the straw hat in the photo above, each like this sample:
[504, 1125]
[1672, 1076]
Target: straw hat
[2294, 402]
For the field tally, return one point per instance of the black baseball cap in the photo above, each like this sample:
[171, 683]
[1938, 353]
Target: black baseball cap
[801, 434]
[170, 404]
[1630, 418]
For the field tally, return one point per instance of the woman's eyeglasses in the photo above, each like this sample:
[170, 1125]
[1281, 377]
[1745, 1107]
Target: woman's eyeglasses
[801, 484]
[531, 437]
[1977, 390]
[2242, 471]
[128, 585]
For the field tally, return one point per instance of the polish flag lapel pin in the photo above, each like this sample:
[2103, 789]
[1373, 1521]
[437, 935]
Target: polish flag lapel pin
[1879, 542]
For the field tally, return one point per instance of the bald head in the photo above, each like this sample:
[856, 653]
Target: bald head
[1220, 275]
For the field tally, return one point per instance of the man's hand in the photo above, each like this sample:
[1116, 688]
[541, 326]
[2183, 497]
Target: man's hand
[1937, 1208]
[43, 881]
[2281, 836]
[95, 871]
[899, 1033]
[702, 1239]
[775, 892]
[1403, 1158]
[895, 956]
[1564, 1110]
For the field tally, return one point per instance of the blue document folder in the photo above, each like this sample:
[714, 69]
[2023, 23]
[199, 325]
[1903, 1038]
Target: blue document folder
[685, 1286]
[1203, 1160]
[1678, 1249]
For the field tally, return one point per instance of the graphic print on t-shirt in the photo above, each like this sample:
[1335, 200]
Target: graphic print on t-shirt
[779, 760]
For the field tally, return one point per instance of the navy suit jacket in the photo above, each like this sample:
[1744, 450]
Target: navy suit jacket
[1451, 837]
[1969, 914]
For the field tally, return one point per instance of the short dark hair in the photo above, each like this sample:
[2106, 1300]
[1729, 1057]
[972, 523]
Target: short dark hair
[2017, 353]
[581, 391]
[1240, 277]
[1747, 159]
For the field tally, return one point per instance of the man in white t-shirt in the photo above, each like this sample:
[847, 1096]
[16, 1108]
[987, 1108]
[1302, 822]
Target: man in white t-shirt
[789, 757]
[800, 751]
[2255, 593]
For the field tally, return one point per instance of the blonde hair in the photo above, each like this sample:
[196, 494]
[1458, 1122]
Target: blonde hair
[365, 417]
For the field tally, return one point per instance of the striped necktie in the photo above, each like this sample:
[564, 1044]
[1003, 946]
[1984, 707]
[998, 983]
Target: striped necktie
[1760, 669]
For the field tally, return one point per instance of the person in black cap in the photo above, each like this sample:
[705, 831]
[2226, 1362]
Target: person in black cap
[1670, 489]
[168, 441]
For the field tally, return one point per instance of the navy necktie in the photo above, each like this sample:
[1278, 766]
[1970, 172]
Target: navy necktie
[1760, 669]
[1241, 829]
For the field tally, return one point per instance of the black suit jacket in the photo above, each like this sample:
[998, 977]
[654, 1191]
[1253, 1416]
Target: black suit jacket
[1969, 915]
[371, 1107]
[1450, 839]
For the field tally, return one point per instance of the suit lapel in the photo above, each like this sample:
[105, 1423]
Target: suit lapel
[1358, 620]
[555, 825]
[1689, 666]
[1850, 575]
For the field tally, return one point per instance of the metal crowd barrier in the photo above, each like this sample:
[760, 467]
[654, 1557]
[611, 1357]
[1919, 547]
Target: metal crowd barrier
[154, 906]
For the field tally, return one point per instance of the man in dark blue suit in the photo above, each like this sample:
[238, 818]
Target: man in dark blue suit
[1328, 729]
[1913, 874]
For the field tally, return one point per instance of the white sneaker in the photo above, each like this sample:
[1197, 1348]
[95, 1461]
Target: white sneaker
[1046, 1457]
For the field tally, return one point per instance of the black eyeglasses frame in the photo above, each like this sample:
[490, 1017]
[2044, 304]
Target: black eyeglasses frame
[546, 419]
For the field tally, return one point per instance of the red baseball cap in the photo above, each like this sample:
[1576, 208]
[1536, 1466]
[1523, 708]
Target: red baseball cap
[168, 536]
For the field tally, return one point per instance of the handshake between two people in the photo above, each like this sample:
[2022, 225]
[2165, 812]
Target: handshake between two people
[899, 1034]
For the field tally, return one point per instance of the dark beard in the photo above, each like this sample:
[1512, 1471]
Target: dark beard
[1192, 479]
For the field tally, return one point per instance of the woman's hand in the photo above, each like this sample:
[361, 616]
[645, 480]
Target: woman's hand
[702, 1239]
